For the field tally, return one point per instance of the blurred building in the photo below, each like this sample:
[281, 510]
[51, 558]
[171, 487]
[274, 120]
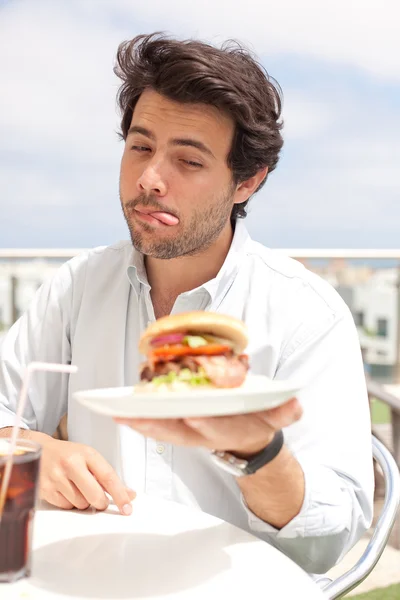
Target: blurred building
[18, 284]
[375, 309]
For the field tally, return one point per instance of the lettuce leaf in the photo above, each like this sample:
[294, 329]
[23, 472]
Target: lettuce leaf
[185, 376]
[194, 341]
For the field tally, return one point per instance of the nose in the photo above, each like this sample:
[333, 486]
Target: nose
[151, 180]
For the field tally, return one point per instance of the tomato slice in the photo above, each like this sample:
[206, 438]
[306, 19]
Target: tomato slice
[180, 350]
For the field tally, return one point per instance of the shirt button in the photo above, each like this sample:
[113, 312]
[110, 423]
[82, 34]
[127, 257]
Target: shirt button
[160, 449]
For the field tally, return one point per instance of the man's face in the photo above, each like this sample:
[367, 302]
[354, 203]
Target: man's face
[176, 188]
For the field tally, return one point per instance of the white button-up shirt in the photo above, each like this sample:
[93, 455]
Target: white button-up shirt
[92, 313]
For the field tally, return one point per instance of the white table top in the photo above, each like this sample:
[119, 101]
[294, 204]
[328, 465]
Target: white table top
[162, 551]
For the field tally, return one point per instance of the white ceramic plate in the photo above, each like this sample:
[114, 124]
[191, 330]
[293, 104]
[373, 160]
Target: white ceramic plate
[257, 393]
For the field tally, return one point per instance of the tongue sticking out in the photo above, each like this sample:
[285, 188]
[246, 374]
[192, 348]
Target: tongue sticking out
[165, 218]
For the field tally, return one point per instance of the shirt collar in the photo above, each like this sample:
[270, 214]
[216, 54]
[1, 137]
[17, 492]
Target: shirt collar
[216, 288]
[219, 286]
[137, 272]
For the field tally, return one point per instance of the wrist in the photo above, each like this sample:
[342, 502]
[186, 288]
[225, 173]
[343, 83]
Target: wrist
[249, 451]
[36, 436]
[239, 466]
[6, 432]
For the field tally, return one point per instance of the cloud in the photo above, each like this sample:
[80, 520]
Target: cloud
[338, 63]
[304, 117]
[338, 186]
[56, 80]
[54, 208]
[359, 33]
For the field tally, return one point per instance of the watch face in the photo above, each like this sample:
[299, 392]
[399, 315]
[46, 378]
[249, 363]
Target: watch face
[230, 465]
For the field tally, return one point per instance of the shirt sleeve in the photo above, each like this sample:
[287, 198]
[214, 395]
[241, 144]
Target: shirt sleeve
[41, 334]
[332, 443]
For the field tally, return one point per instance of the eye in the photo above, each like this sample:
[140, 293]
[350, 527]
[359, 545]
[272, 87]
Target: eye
[140, 148]
[192, 163]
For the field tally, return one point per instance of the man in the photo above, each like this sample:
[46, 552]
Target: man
[202, 132]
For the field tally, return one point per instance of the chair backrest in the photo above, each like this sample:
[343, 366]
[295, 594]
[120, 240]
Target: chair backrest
[348, 581]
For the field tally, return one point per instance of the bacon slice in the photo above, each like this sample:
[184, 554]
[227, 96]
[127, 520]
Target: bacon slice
[224, 371]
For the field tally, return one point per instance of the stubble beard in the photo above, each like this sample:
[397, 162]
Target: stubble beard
[191, 238]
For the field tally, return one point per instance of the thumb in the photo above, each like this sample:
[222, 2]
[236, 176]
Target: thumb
[131, 493]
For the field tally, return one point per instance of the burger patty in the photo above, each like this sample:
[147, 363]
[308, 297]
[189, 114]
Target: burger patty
[223, 371]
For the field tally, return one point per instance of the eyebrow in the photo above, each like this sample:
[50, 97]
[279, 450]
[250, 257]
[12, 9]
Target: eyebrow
[185, 142]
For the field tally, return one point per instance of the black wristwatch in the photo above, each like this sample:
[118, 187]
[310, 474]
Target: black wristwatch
[241, 466]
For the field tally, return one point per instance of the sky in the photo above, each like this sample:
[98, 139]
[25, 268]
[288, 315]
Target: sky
[337, 184]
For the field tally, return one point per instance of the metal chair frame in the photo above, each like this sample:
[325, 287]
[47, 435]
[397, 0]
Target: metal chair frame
[384, 525]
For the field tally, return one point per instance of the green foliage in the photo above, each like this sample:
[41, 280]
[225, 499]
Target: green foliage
[389, 593]
[380, 413]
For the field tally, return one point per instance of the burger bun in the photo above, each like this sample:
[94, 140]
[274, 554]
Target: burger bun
[197, 323]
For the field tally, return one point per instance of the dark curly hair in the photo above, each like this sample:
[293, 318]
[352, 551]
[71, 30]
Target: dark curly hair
[229, 79]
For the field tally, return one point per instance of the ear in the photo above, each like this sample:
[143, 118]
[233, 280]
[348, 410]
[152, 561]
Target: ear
[245, 189]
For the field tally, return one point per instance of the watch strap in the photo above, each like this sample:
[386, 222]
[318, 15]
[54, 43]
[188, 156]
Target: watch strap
[265, 456]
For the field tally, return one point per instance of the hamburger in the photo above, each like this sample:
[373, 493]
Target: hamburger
[192, 350]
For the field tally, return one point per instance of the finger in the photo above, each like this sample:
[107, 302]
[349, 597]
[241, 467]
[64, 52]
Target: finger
[76, 470]
[106, 479]
[275, 419]
[246, 432]
[131, 494]
[57, 499]
[72, 494]
[282, 416]
[173, 431]
[58, 485]
[90, 488]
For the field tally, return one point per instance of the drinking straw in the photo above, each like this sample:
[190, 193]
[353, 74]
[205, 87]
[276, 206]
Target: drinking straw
[33, 366]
